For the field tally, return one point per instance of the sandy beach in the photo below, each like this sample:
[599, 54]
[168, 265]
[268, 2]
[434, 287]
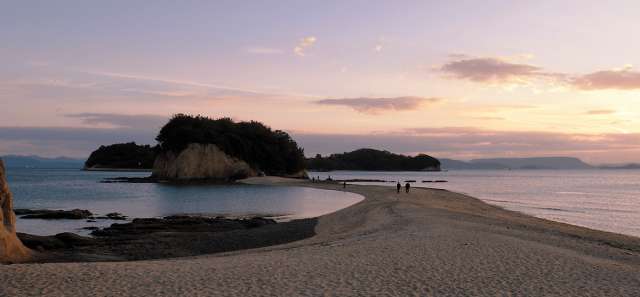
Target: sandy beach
[426, 243]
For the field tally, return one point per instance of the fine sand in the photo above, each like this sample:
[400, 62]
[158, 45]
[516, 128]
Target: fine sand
[426, 243]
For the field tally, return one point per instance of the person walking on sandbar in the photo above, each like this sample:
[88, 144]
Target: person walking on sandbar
[398, 186]
[407, 186]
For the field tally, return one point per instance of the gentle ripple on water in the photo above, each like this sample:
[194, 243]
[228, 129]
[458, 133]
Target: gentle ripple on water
[69, 189]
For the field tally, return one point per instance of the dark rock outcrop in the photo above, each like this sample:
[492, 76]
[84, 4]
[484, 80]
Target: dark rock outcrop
[116, 216]
[170, 237]
[180, 224]
[47, 214]
[54, 242]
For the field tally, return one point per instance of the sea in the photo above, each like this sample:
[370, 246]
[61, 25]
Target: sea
[72, 188]
[607, 200]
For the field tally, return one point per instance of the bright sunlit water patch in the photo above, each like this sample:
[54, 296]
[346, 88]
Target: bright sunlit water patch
[606, 200]
[69, 189]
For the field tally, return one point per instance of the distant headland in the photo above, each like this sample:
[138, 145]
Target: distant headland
[119, 156]
[373, 160]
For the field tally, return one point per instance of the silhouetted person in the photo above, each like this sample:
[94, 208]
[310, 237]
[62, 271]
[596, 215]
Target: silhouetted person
[398, 186]
[407, 186]
[344, 185]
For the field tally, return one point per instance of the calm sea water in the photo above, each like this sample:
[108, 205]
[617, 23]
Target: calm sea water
[606, 200]
[69, 189]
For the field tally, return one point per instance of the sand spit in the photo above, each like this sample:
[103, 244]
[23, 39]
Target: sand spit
[426, 243]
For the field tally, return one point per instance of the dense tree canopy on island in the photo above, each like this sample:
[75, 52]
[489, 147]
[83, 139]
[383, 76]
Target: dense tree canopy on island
[122, 156]
[273, 152]
[374, 160]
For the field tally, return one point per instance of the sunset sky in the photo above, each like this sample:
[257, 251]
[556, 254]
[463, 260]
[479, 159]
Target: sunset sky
[460, 79]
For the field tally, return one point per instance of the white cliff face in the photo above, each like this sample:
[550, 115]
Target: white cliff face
[11, 248]
[200, 161]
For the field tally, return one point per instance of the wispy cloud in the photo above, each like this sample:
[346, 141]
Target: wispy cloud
[141, 121]
[264, 50]
[600, 111]
[488, 118]
[303, 45]
[621, 79]
[76, 87]
[501, 107]
[379, 44]
[68, 86]
[380, 105]
[173, 81]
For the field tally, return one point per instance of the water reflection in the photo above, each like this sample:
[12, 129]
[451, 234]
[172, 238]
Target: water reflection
[68, 189]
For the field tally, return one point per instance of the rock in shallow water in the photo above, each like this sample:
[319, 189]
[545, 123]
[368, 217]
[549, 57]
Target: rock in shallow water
[116, 216]
[181, 224]
[74, 214]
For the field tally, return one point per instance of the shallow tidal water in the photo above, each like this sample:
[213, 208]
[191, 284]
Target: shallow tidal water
[69, 189]
[607, 200]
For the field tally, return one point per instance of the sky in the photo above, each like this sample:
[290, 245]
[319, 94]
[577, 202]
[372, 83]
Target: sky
[454, 79]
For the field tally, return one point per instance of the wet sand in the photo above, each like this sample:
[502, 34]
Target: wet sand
[426, 243]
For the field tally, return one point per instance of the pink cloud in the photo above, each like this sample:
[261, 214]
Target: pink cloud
[490, 70]
[380, 105]
[624, 79]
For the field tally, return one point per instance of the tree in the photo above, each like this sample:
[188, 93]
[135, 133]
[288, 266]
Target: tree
[370, 159]
[122, 155]
[273, 152]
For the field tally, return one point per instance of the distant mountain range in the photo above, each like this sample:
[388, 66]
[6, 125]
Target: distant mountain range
[620, 166]
[517, 163]
[13, 161]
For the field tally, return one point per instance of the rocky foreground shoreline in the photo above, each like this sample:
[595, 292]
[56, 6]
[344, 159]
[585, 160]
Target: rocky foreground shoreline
[58, 214]
[155, 238]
